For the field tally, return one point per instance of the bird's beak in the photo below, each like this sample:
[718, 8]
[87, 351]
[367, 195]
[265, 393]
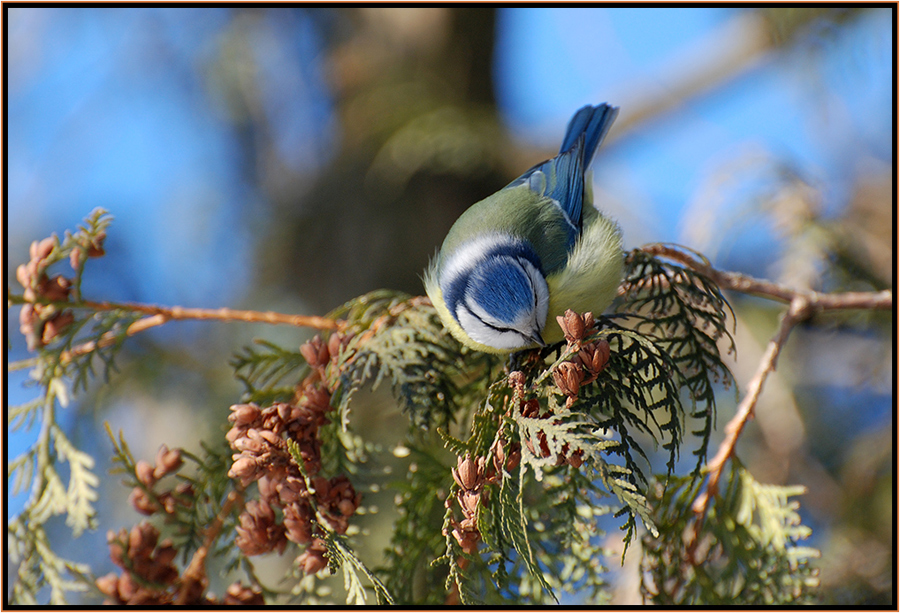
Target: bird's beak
[536, 338]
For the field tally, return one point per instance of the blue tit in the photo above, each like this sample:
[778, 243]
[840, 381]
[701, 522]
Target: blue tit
[514, 261]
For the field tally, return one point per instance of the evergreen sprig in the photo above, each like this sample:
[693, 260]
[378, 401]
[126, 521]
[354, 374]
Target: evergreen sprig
[67, 337]
[549, 442]
[747, 550]
[199, 501]
[40, 568]
[40, 466]
[269, 372]
[398, 338]
[55, 323]
[685, 313]
[410, 564]
[533, 548]
[341, 556]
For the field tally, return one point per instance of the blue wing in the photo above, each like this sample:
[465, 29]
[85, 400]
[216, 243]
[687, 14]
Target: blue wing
[562, 178]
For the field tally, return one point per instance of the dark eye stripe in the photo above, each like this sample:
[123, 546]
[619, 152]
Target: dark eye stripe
[489, 325]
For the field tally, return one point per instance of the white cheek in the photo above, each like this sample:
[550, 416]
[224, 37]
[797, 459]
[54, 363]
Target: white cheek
[486, 335]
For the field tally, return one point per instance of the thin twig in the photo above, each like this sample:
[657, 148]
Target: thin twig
[158, 315]
[746, 284]
[799, 310]
[222, 314]
[184, 313]
[194, 576]
[110, 338]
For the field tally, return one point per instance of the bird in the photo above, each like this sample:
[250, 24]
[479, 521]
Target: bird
[514, 261]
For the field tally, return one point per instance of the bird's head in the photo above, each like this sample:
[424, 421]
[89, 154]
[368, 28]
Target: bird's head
[496, 292]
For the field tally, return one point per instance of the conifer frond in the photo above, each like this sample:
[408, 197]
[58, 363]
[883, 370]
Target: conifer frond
[413, 559]
[39, 468]
[67, 337]
[81, 492]
[686, 314]
[565, 432]
[638, 391]
[747, 550]
[269, 372]
[341, 556]
[400, 339]
[205, 490]
[39, 567]
[538, 448]
[514, 525]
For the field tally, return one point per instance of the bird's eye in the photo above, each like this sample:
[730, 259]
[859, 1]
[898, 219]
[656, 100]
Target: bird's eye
[490, 334]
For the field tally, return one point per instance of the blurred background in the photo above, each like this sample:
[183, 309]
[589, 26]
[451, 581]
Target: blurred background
[289, 159]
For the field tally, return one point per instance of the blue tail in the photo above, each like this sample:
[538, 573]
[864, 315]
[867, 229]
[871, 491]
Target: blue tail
[562, 178]
[585, 132]
[592, 121]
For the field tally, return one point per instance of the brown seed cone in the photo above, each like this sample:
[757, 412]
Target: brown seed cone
[467, 539]
[56, 289]
[313, 559]
[144, 473]
[336, 342]
[572, 325]
[141, 540]
[40, 250]
[238, 594]
[54, 326]
[517, 379]
[167, 461]
[244, 414]
[531, 408]
[298, 522]
[568, 377]
[469, 502]
[126, 587]
[595, 356]
[466, 472]
[108, 584]
[116, 546]
[588, 319]
[315, 352]
[243, 468]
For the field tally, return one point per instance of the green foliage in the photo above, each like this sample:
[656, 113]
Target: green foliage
[198, 501]
[513, 527]
[39, 566]
[529, 528]
[410, 569]
[268, 372]
[532, 549]
[40, 467]
[63, 365]
[400, 339]
[341, 556]
[639, 383]
[686, 315]
[747, 550]
[545, 457]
